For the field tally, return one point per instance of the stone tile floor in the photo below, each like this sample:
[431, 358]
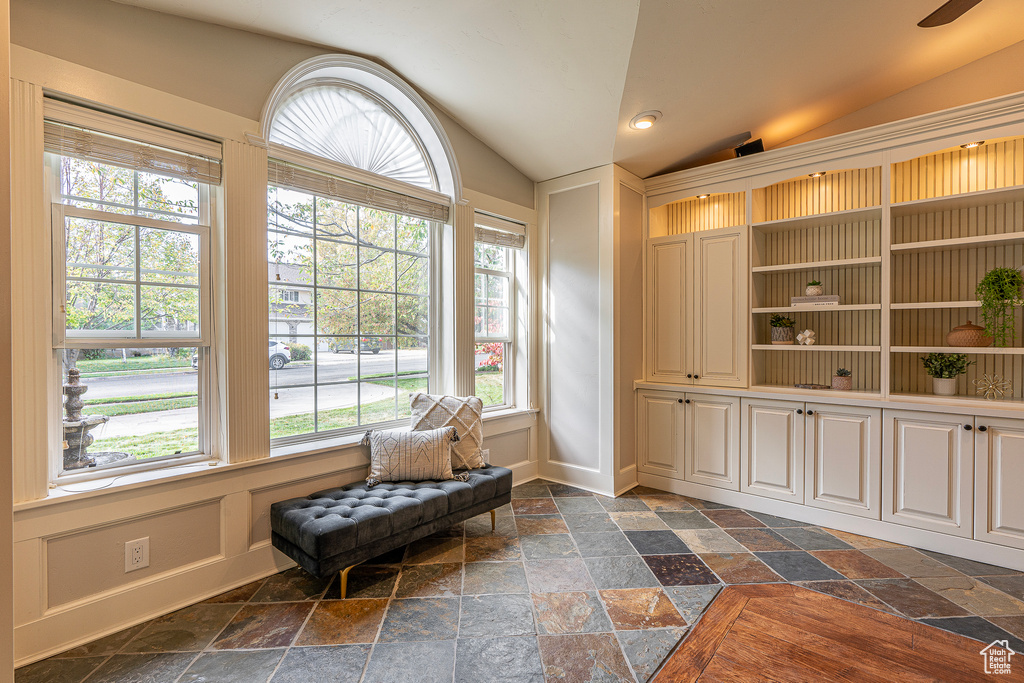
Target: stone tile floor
[570, 587]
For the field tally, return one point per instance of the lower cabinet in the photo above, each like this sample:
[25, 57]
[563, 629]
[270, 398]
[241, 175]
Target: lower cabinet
[998, 476]
[928, 471]
[689, 436]
[822, 455]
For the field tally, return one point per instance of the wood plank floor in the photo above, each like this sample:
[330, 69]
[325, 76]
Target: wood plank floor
[780, 632]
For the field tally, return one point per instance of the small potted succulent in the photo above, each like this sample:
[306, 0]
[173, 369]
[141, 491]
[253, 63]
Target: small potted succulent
[813, 288]
[782, 329]
[944, 368]
[842, 380]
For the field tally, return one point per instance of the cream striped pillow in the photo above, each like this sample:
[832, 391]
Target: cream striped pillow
[403, 455]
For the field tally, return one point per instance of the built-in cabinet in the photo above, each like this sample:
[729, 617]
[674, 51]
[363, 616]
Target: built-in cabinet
[998, 478]
[690, 436]
[697, 301]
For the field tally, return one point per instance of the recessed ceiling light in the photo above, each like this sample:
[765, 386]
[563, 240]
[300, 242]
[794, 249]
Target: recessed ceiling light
[703, 196]
[816, 174]
[972, 145]
[644, 120]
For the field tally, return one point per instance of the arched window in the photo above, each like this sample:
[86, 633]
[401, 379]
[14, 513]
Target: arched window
[361, 174]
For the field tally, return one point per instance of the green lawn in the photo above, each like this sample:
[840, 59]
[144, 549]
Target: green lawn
[488, 387]
[131, 364]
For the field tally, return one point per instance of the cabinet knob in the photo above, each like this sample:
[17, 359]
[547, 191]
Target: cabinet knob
[810, 412]
[968, 427]
[696, 376]
[680, 400]
[983, 428]
[687, 400]
[689, 375]
[799, 411]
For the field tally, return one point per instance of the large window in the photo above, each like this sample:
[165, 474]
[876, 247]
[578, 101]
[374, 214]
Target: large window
[349, 313]
[131, 311]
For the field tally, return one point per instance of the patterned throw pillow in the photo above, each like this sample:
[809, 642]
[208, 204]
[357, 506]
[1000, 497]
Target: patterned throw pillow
[402, 455]
[430, 412]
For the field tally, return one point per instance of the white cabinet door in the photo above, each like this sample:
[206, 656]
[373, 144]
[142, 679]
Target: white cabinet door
[999, 475]
[843, 452]
[662, 418]
[720, 343]
[928, 471]
[772, 452]
[668, 312]
[712, 446]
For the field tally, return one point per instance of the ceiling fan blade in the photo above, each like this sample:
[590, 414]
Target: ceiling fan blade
[949, 12]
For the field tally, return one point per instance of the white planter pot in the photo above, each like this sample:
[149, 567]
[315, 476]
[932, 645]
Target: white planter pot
[944, 387]
[813, 290]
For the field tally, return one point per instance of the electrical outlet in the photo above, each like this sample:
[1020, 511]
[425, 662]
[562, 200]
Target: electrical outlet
[136, 554]
[486, 454]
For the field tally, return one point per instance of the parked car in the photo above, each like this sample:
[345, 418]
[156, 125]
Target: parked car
[280, 356]
[366, 345]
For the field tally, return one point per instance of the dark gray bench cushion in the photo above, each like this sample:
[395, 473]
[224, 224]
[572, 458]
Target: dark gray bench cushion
[355, 522]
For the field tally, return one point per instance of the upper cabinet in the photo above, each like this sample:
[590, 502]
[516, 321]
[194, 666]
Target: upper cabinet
[697, 293]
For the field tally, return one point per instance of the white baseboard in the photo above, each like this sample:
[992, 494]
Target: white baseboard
[979, 551]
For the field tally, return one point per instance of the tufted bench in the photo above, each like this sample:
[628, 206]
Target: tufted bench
[336, 529]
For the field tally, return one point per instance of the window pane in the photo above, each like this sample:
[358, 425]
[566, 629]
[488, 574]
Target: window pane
[140, 404]
[290, 211]
[291, 310]
[170, 312]
[290, 361]
[377, 314]
[337, 220]
[377, 400]
[291, 412]
[92, 185]
[376, 269]
[97, 249]
[168, 197]
[413, 274]
[490, 256]
[337, 406]
[490, 373]
[336, 312]
[377, 228]
[413, 234]
[413, 315]
[290, 258]
[169, 256]
[413, 366]
[497, 290]
[497, 323]
[96, 306]
[336, 264]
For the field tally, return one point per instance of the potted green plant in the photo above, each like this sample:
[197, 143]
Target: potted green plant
[782, 329]
[944, 368]
[813, 288]
[999, 294]
[842, 380]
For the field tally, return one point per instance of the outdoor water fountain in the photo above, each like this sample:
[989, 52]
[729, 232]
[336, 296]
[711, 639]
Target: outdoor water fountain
[76, 428]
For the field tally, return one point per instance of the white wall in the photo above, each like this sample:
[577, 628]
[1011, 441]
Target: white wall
[228, 69]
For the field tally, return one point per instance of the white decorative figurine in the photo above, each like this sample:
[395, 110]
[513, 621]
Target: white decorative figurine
[805, 338]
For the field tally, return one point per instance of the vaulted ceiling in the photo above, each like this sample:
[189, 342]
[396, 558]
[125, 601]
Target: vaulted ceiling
[552, 84]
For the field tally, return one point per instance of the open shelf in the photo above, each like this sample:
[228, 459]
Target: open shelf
[1001, 239]
[813, 347]
[956, 399]
[820, 265]
[818, 309]
[988, 350]
[923, 305]
[966, 200]
[821, 220]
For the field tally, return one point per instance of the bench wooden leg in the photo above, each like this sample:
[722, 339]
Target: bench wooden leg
[344, 579]
[492, 520]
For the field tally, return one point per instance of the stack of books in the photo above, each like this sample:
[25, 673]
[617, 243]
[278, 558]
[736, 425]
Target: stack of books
[814, 301]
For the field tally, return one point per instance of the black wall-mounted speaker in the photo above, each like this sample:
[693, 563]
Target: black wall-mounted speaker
[752, 147]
